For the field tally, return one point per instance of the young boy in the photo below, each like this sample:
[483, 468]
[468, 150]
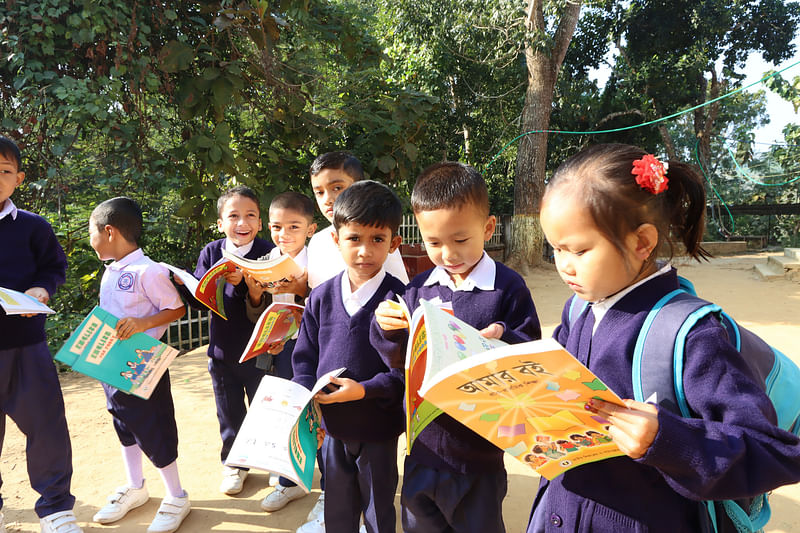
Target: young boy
[138, 291]
[239, 212]
[363, 417]
[454, 480]
[29, 389]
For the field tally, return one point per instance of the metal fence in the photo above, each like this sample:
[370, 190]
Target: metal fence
[189, 332]
[410, 232]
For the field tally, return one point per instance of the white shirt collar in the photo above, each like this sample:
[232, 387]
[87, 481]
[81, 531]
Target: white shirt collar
[481, 277]
[132, 257]
[8, 209]
[601, 308]
[241, 251]
[353, 301]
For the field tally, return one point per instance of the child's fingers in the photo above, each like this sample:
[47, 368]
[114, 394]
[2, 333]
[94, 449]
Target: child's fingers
[633, 426]
[492, 331]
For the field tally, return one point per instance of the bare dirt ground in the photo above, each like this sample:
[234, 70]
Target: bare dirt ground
[772, 309]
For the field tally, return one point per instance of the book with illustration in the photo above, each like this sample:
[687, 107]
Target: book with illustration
[134, 365]
[18, 303]
[528, 399]
[208, 289]
[278, 323]
[279, 432]
[268, 272]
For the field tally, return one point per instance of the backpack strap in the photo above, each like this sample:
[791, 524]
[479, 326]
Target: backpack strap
[576, 308]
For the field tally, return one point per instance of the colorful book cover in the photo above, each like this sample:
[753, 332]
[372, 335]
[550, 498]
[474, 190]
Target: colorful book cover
[18, 303]
[528, 399]
[134, 365]
[267, 272]
[278, 323]
[289, 448]
[209, 289]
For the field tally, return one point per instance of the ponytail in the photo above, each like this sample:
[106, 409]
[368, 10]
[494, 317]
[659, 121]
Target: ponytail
[684, 206]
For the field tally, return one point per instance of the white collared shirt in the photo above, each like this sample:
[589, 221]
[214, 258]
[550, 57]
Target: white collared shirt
[601, 308]
[481, 277]
[8, 209]
[136, 286]
[302, 261]
[241, 251]
[325, 260]
[353, 301]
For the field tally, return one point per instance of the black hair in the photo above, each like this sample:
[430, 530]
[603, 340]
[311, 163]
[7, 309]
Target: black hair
[344, 161]
[449, 185]
[239, 190]
[601, 177]
[368, 203]
[10, 150]
[122, 213]
[296, 202]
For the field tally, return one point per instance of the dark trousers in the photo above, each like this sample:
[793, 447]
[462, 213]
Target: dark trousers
[31, 395]
[443, 501]
[232, 381]
[150, 424]
[364, 480]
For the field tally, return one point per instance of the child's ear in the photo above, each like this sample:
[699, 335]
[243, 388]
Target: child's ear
[646, 240]
[219, 224]
[20, 178]
[488, 230]
[336, 237]
[312, 229]
[396, 240]
[111, 231]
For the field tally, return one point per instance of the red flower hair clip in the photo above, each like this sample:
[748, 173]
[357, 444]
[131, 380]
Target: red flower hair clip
[651, 174]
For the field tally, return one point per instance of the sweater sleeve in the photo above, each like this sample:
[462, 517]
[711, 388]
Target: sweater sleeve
[305, 357]
[518, 318]
[733, 449]
[390, 344]
[51, 263]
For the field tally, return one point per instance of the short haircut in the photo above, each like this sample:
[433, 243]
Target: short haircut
[344, 161]
[122, 213]
[10, 150]
[239, 190]
[296, 202]
[368, 203]
[449, 185]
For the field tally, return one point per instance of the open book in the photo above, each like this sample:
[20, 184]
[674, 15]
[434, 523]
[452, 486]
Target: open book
[279, 432]
[269, 271]
[528, 399]
[134, 365]
[208, 290]
[278, 323]
[18, 303]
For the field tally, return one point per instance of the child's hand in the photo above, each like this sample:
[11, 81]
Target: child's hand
[254, 288]
[633, 426]
[234, 278]
[276, 347]
[177, 280]
[40, 294]
[128, 326]
[320, 437]
[349, 390]
[389, 316]
[298, 285]
[492, 331]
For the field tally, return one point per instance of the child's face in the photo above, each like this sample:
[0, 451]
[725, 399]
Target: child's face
[239, 220]
[289, 229]
[587, 260]
[454, 237]
[327, 185]
[10, 178]
[101, 240]
[364, 249]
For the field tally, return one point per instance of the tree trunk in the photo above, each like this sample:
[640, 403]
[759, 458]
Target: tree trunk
[543, 64]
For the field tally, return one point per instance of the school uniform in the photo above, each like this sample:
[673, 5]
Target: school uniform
[230, 379]
[453, 478]
[360, 447]
[136, 286]
[732, 450]
[30, 393]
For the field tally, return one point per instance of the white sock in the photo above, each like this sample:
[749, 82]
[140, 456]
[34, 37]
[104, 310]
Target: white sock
[132, 457]
[169, 474]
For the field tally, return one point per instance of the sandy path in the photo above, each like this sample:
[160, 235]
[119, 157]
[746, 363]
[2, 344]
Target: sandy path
[772, 309]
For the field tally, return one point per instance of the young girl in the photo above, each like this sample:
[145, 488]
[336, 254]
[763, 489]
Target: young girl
[607, 212]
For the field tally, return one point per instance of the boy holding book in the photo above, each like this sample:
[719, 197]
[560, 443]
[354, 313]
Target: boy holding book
[138, 291]
[33, 262]
[239, 211]
[453, 479]
[363, 416]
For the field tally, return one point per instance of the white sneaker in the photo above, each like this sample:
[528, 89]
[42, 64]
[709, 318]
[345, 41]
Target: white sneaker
[122, 500]
[318, 511]
[278, 498]
[170, 514]
[232, 480]
[314, 526]
[60, 522]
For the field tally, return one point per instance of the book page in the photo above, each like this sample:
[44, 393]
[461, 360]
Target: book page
[278, 323]
[209, 290]
[18, 303]
[268, 272]
[528, 399]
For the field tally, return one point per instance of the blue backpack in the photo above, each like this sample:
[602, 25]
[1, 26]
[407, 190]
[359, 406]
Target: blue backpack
[658, 369]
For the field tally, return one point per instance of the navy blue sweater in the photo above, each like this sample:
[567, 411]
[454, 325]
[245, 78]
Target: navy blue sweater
[227, 338]
[329, 338]
[732, 450]
[446, 443]
[30, 256]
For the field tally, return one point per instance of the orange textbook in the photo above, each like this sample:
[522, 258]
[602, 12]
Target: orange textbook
[528, 399]
[278, 323]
